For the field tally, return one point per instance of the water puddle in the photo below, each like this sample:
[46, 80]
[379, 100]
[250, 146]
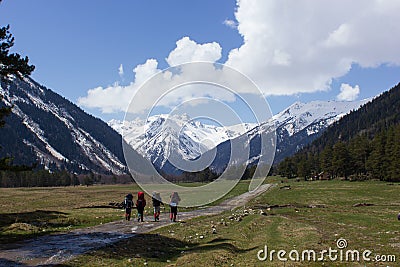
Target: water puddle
[52, 249]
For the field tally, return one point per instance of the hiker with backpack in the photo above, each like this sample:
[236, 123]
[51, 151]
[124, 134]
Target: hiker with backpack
[140, 204]
[157, 202]
[174, 201]
[128, 204]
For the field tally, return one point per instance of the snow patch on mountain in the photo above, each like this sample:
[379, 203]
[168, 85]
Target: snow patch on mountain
[156, 137]
[27, 92]
[318, 114]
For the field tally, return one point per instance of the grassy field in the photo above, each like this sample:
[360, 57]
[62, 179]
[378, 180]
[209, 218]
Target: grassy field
[28, 212]
[308, 216]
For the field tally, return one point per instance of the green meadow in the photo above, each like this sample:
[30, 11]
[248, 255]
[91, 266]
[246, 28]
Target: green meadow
[30, 212]
[293, 215]
[308, 216]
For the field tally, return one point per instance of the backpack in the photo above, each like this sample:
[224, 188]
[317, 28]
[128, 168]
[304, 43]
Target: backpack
[156, 199]
[128, 203]
[141, 202]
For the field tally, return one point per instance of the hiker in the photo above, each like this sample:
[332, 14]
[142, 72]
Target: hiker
[140, 204]
[174, 206]
[128, 204]
[157, 202]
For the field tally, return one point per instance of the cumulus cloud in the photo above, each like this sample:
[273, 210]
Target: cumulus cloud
[145, 71]
[230, 23]
[301, 46]
[287, 48]
[348, 93]
[115, 98]
[189, 51]
[121, 70]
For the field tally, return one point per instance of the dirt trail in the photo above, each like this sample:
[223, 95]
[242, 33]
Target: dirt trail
[53, 249]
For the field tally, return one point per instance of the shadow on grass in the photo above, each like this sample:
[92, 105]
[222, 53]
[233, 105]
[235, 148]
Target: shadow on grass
[17, 226]
[36, 217]
[160, 248]
[5, 262]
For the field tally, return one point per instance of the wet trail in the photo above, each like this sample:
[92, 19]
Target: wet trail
[57, 248]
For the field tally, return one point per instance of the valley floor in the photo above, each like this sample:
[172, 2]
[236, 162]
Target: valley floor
[346, 217]
[57, 248]
[342, 216]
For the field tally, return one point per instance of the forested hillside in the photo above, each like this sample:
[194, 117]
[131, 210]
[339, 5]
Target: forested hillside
[363, 144]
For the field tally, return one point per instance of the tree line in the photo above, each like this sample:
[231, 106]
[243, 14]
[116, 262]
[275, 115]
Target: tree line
[45, 178]
[363, 144]
[42, 178]
[359, 158]
[208, 174]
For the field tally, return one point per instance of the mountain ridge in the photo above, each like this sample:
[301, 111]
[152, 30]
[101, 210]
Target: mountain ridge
[363, 144]
[49, 130]
[296, 126]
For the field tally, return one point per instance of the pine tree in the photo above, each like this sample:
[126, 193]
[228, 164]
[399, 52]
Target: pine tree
[287, 168]
[395, 160]
[377, 156]
[341, 159]
[11, 64]
[303, 167]
[326, 159]
[359, 150]
[4, 111]
[389, 154]
[392, 154]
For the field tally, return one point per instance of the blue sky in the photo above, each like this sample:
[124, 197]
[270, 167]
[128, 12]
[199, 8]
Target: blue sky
[294, 52]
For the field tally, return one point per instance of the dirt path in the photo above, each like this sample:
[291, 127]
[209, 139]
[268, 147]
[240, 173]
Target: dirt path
[57, 248]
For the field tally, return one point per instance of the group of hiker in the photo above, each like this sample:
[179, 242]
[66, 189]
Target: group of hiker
[140, 204]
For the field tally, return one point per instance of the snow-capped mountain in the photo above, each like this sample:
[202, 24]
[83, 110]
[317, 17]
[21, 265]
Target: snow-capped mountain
[313, 116]
[160, 135]
[296, 126]
[46, 129]
[301, 123]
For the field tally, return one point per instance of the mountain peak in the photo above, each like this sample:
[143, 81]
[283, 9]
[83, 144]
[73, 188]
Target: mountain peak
[47, 129]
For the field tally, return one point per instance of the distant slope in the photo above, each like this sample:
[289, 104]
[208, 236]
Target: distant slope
[301, 123]
[47, 129]
[363, 144]
[161, 135]
[296, 127]
[375, 116]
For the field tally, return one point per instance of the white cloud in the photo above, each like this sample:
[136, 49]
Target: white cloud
[348, 93]
[121, 70]
[145, 71]
[299, 46]
[188, 51]
[230, 23]
[115, 98]
[288, 48]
